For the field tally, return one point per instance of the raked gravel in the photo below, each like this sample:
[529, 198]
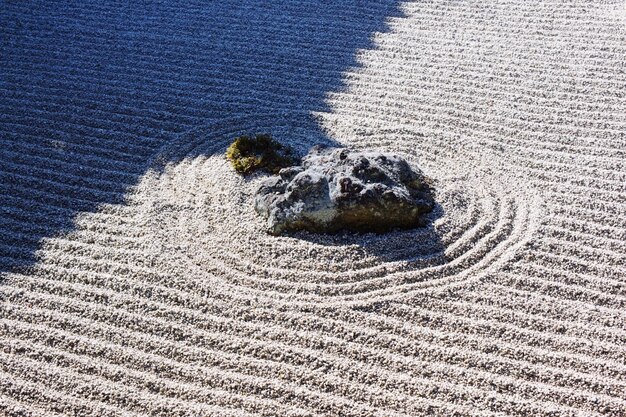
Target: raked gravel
[137, 279]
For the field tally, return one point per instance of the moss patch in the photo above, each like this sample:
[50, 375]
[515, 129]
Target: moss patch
[248, 154]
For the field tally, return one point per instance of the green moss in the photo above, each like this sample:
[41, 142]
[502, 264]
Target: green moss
[260, 152]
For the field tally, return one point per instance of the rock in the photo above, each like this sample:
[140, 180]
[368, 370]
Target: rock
[248, 154]
[341, 189]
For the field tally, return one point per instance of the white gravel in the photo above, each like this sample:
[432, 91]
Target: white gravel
[512, 303]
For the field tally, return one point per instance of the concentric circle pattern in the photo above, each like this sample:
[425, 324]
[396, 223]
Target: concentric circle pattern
[201, 208]
[136, 279]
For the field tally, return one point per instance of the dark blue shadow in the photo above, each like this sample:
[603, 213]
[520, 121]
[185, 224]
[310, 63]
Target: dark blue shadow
[91, 90]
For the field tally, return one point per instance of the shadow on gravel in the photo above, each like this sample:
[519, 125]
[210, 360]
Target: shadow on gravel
[91, 90]
[417, 248]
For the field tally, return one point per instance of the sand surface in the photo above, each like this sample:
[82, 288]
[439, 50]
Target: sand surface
[135, 278]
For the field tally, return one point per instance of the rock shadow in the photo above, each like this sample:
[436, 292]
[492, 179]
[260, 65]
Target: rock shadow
[416, 248]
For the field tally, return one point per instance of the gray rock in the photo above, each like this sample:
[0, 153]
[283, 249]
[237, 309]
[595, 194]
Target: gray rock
[341, 189]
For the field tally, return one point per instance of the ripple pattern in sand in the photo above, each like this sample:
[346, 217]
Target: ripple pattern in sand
[201, 208]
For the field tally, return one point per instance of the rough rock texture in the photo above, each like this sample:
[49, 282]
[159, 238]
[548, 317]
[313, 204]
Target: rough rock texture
[341, 189]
